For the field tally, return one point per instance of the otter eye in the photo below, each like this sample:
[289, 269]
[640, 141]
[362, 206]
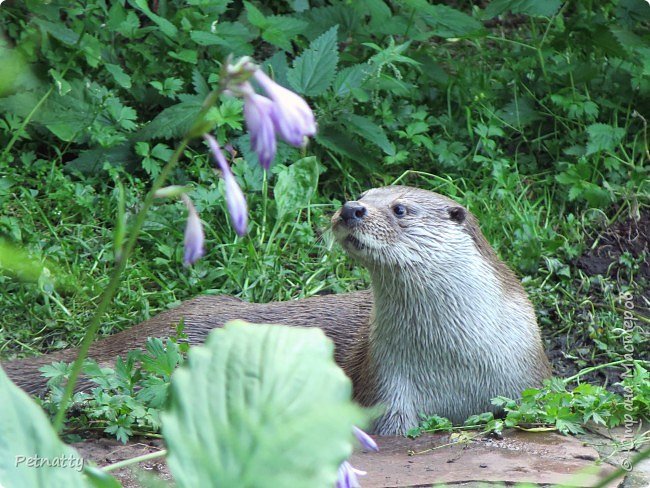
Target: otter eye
[361, 196]
[399, 210]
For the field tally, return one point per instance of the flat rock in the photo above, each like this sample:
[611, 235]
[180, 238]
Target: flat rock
[537, 458]
[540, 458]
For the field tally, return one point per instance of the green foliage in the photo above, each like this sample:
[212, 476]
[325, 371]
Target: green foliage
[127, 399]
[260, 405]
[31, 454]
[314, 70]
[558, 407]
[296, 185]
[434, 423]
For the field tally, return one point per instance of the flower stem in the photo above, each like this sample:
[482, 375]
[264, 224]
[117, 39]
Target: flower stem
[110, 290]
[585, 371]
[19, 132]
[134, 460]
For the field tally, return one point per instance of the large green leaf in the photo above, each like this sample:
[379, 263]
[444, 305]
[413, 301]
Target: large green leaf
[350, 78]
[338, 141]
[165, 25]
[174, 121]
[314, 70]
[296, 185]
[603, 137]
[259, 405]
[31, 454]
[445, 21]
[546, 8]
[276, 29]
[371, 132]
[233, 37]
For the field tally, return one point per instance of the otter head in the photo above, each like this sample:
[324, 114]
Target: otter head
[398, 227]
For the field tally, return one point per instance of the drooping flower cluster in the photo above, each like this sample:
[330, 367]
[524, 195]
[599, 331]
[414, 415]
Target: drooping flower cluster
[281, 113]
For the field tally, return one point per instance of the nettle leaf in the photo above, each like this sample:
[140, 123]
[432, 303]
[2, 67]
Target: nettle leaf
[314, 70]
[519, 112]
[547, 8]
[278, 67]
[217, 7]
[68, 116]
[281, 29]
[350, 78]
[62, 86]
[255, 15]
[445, 21]
[165, 25]
[58, 31]
[603, 137]
[336, 140]
[26, 437]
[259, 405]
[371, 132]
[120, 76]
[296, 185]
[201, 87]
[173, 121]
[92, 160]
[233, 37]
[347, 17]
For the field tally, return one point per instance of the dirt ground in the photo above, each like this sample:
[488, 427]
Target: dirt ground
[602, 257]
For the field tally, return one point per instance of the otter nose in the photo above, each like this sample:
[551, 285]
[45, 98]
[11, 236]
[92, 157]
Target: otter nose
[352, 212]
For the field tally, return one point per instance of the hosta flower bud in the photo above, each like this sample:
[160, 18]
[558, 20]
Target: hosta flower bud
[366, 441]
[292, 117]
[347, 476]
[194, 236]
[235, 200]
[258, 112]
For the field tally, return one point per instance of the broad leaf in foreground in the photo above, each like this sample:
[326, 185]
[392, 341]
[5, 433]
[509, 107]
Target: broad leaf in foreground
[31, 453]
[260, 405]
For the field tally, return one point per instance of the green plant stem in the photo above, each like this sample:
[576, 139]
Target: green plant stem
[111, 288]
[623, 470]
[596, 368]
[21, 129]
[135, 460]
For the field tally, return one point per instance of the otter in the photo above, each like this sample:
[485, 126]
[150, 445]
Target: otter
[445, 328]
[451, 326]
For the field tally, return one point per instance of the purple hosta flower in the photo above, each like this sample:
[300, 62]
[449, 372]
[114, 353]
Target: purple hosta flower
[292, 117]
[366, 441]
[234, 196]
[258, 112]
[194, 236]
[347, 477]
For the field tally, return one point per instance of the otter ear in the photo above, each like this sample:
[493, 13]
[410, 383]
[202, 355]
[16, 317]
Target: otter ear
[457, 214]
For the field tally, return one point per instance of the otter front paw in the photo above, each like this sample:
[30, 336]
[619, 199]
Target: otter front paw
[394, 423]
